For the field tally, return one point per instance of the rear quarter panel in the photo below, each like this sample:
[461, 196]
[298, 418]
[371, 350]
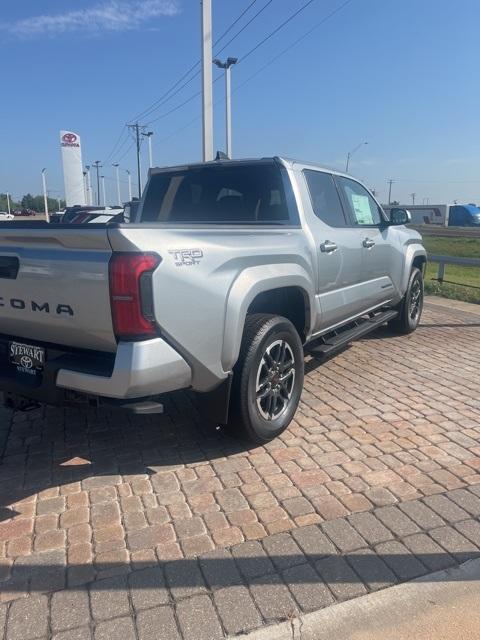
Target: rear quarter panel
[200, 306]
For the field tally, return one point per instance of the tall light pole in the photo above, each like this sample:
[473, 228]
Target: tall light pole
[149, 135]
[227, 65]
[413, 197]
[97, 167]
[103, 191]
[207, 107]
[350, 154]
[89, 186]
[45, 195]
[119, 197]
[129, 185]
[8, 202]
[390, 182]
[85, 187]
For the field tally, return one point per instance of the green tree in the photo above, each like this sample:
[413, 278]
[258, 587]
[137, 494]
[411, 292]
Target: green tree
[28, 202]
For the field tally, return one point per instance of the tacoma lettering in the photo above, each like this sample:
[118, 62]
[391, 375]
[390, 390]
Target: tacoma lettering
[20, 305]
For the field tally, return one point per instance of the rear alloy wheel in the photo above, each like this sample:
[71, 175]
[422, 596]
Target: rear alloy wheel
[411, 307]
[268, 378]
[275, 380]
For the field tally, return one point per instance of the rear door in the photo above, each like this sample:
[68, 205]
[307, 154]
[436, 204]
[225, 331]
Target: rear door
[381, 254]
[339, 251]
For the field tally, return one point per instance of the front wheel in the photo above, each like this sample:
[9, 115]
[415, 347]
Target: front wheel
[267, 379]
[411, 307]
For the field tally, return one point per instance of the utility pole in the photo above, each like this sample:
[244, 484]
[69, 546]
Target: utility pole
[119, 197]
[390, 182]
[229, 62]
[413, 197]
[8, 202]
[136, 132]
[103, 191]
[59, 204]
[129, 185]
[97, 167]
[45, 195]
[207, 107]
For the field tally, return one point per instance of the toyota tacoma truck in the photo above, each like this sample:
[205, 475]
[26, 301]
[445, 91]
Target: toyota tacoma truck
[230, 273]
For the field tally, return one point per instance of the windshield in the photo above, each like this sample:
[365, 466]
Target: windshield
[218, 194]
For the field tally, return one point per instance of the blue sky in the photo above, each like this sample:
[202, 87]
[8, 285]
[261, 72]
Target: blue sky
[400, 74]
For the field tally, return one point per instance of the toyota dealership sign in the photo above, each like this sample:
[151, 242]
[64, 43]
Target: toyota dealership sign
[70, 140]
[72, 168]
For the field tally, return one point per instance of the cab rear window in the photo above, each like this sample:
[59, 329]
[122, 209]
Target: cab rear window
[221, 194]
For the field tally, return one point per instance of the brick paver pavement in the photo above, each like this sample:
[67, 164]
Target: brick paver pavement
[113, 526]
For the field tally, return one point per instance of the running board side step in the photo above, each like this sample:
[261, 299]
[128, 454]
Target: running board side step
[334, 342]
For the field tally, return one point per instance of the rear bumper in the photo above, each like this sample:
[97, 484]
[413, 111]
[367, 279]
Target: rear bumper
[137, 370]
[141, 369]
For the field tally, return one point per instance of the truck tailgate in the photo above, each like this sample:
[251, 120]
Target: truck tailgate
[54, 285]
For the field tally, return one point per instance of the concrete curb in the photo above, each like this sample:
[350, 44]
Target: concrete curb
[381, 611]
[450, 304]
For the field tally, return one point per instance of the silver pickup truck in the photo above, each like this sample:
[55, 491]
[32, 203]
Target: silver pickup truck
[231, 271]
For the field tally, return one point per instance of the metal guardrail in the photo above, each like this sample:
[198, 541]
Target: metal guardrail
[443, 260]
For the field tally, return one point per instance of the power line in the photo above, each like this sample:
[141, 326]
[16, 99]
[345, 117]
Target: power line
[243, 28]
[179, 106]
[168, 95]
[293, 44]
[267, 64]
[234, 23]
[277, 29]
[259, 44]
[110, 155]
[127, 151]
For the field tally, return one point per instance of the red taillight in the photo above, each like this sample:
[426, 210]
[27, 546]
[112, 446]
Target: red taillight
[131, 294]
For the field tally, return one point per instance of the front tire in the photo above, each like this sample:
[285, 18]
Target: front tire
[411, 307]
[267, 379]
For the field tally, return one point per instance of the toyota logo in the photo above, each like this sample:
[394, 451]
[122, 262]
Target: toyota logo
[26, 362]
[69, 137]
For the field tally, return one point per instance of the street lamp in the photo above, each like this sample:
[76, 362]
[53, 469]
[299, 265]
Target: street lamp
[149, 135]
[89, 186]
[103, 191]
[350, 154]
[119, 198]
[129, 185]
[45, 196]
[229, 62]
[98, 166]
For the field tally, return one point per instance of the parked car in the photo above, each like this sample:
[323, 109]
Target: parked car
[88, 215]
[232, 270]
[4, 215]
[446, 215]
[464, 215]
[25, 213]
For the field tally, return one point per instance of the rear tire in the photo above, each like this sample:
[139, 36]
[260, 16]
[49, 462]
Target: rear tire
[411, 306]
[267, 379]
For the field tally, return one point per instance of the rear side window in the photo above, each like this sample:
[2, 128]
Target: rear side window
[324, 197]
[221, 194]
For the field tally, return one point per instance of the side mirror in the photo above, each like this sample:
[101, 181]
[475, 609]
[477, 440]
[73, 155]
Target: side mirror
[400, 216]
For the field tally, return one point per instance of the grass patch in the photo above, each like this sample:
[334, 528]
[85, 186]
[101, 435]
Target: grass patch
[458, 247]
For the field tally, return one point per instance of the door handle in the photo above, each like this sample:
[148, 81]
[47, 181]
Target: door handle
[328, 247]
[368, 243]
